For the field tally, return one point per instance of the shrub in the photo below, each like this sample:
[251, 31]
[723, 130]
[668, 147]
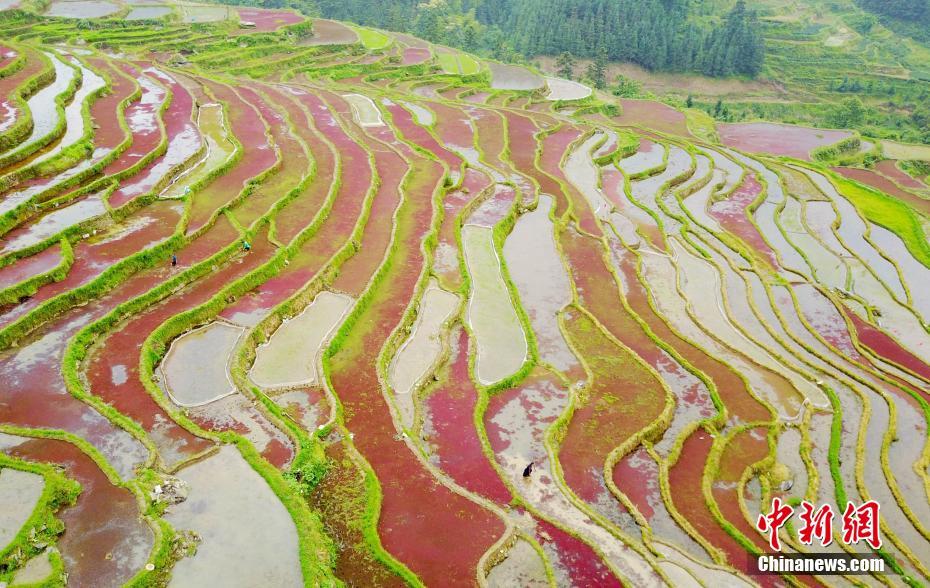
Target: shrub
[832, 152]
[627, 87]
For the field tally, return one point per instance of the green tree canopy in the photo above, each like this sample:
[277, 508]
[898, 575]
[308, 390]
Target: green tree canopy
[655, 34]
[565, 65]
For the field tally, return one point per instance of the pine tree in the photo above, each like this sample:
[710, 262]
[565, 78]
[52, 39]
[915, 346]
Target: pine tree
[566, 65]
[921, 116]
[471, 34]
[597, 70]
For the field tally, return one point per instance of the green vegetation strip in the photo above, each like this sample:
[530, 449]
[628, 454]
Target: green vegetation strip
[888, 212]
[30, 286]
[371, 39]
[42, 527]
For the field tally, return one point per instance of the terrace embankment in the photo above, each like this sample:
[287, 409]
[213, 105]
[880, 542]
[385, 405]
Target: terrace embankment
[409, 490]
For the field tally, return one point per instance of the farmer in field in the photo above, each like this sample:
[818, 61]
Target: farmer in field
[528, 470]
[246, 247]
[174, 260]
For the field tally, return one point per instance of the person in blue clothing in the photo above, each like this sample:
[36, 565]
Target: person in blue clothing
[174, 260]
[246, 246]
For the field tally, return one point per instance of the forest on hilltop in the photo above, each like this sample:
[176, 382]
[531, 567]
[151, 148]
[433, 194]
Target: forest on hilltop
[913, 10]
[656, 34]
[908, 17]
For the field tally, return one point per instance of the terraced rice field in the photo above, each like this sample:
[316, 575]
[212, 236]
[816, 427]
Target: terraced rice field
[82, 8]
[458, 63]
[203, 13]
[303, 310]
[148, 12]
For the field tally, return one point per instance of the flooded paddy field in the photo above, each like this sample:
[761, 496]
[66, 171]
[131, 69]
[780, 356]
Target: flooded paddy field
[511, 77]
[419, 353]
[501, 342]
[148, 12]
[291, 355]
[560, 89]
[426, 326]
[330, 32]
[203, 13]
[648, 114]
[268, 20]
[82, 8]
[778, 139]
[225, 498]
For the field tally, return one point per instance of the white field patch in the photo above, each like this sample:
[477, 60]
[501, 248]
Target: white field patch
[712, 575]
[562, 89]
[182, 147]
[364, 110]
[649, 156]
[422, 115]
[36, 569]
[696, 204]
[219, 149]
[513, 77]
[196, 367]
[292, 354]
[42, 105]
[7, 115]
[765, 215]
[194, 13]
[418, 354]
[82, 9]
[702, 169]
[247, 536]
[542, 281]
[581, 171]
[895, 318]
[14, 199]
[916, 275]
[841, 37]
[57, 220]
[703, 286]
[853, 231]
[148, 12]
[825, 267]
[523, 566]
[895, 150]
[733, 170]
[663, 277]
[19, 494]
[609, 144]
[647, 190]
[74, 120]
[501, 343]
